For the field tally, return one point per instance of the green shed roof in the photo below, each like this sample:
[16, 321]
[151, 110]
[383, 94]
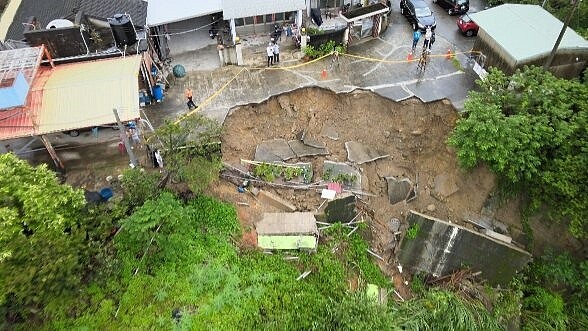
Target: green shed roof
[526, 31]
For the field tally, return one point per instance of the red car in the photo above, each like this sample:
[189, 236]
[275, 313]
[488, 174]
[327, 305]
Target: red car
[467, 26]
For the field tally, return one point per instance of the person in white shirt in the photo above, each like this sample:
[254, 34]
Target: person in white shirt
[428, 35]
[270, 54]
[276, 53]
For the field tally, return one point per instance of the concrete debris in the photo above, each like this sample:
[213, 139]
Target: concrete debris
[275, 201]
[341, 210]
[273, 150]
[445, 185]
[310, 141]
[359, 153]
[431, 208]
[496, 235]
[330, 133]
[334, 169]
[300, 149]
[398, 190]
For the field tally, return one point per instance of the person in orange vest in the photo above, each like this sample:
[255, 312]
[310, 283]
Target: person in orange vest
[188, 95]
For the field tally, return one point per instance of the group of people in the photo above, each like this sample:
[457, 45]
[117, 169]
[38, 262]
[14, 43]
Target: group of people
[273, 53]
[428, 42]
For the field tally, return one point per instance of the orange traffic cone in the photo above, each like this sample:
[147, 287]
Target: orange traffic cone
[449, 55]
[324, 74]
[409, 57]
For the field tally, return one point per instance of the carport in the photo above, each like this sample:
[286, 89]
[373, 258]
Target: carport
[512, 36]
[366, 21]
[69, 97]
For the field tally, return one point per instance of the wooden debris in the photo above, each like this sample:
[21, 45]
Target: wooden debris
[304, 274]
[399, 296]
[374, 254]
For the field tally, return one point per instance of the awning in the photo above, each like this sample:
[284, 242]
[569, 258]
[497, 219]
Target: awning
[168, 11]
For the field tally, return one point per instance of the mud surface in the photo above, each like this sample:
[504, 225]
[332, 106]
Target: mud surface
[413, 133]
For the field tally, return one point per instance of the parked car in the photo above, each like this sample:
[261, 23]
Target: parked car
[467, 26]
[454, 7]
[418, 13]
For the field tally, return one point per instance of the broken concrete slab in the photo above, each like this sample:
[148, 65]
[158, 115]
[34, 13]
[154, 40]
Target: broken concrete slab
[275, 201]
[301, 149]
[340, 210]
[440, 248]
[312, 142]
[330, 133]
[445, 185]
[273, 150]
[332, 170]
[398, 189]
[359, 153]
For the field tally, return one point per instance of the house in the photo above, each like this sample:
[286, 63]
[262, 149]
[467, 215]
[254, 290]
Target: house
[37, 100]
[512, 36]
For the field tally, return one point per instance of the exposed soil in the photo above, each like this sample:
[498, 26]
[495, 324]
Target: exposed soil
[413, 133]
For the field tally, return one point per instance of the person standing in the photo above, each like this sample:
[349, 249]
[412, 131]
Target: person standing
[432, 41]
[416, 35]
[188, 95]
[276, 53]
[428, 35]
[270, 54]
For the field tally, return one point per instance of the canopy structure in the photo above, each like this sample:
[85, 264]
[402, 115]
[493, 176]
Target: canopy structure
[525, 32]
[74, 96]
[161, 12]
[240, 8]
[17, 71]
[365, 12]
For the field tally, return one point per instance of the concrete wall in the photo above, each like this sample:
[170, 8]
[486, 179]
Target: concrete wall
[441, 248]
[567, 63]
[184, 42]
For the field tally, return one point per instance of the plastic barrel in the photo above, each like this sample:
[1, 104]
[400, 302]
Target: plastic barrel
[157, 93]
[106, 193]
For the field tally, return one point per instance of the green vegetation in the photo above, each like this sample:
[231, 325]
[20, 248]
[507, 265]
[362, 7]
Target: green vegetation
[413, 231]
[323, 49]
[342, 178]
[271, 171]
[531, 129]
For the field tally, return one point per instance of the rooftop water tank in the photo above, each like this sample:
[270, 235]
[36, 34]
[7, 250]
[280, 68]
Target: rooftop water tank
[123, 30]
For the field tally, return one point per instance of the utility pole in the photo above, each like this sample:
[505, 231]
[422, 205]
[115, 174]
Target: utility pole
[125, 139]
[561, 34]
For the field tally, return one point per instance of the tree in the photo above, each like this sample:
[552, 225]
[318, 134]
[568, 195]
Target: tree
[41, 242]
[531, 130]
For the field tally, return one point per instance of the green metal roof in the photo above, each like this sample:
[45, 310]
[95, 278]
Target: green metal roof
[286, 242]
[526, 31]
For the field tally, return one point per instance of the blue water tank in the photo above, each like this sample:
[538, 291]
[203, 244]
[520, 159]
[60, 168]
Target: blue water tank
[157, 93]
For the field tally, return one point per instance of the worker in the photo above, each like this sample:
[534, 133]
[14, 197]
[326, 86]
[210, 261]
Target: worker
[188, 95]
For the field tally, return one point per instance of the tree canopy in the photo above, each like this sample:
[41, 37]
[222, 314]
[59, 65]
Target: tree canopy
[40, 238]
[531, 129]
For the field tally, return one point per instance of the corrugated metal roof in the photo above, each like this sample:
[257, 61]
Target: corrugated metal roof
[526, 31]
[240, 8]
[11, 24]
[80, 95]
[103, 9]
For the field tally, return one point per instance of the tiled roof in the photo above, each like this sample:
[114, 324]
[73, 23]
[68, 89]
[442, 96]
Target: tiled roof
[45, 11]
[103, 9]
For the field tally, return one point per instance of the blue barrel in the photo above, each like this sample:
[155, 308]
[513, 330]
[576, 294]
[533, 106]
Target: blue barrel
[106, 193]
[157, 93]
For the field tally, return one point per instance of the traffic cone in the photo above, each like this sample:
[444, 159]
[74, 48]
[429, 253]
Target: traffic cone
[324, 74]
[409, 57]
[449, 55]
